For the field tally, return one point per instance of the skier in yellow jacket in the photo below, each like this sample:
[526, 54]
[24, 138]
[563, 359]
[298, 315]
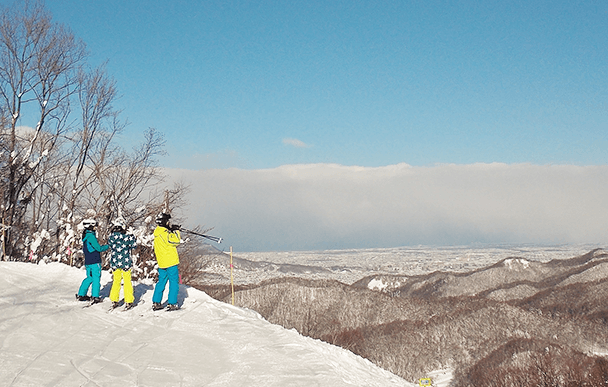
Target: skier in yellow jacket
[166, 240]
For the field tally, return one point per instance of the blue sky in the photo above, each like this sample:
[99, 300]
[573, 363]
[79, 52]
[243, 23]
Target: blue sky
[306, 125]
[369, 83]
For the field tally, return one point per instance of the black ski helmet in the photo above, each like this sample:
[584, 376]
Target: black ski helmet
[162, 219]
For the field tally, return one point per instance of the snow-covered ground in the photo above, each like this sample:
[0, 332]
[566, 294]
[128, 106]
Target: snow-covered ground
[49, 339]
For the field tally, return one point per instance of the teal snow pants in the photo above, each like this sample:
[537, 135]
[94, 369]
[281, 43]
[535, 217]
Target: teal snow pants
[93, 279]
[170, 274]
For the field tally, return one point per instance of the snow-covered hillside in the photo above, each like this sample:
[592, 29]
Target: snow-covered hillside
[49, 339]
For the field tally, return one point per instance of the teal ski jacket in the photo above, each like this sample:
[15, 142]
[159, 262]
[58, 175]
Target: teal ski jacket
[91, 248]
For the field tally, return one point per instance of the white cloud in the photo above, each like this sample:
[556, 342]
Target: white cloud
[319, 206]
[295, 142]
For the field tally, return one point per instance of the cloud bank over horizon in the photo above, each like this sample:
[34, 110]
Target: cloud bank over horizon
[330, 206]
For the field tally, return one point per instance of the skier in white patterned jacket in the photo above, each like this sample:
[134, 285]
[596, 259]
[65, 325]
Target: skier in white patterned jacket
[121, 263]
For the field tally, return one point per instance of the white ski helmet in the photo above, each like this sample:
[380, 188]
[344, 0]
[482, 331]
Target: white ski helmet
[89, 223]
[120, 222]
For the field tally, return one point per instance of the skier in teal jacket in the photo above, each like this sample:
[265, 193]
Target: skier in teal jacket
[92, 261]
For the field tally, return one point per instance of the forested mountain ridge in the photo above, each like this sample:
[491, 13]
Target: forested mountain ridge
[517, 318]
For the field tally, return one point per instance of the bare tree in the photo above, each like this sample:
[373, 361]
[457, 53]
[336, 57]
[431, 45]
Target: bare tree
[70, 164]
[39, 64]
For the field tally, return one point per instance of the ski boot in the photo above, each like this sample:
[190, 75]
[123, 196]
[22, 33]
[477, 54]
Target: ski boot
[83, 298]
[96, 300]
[171, 307]
[157, 306]
[129, 305]
[115, 304]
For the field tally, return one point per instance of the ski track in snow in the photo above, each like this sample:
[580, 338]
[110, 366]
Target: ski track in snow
[48, 339]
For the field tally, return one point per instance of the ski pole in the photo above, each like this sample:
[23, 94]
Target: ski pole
[211, 238]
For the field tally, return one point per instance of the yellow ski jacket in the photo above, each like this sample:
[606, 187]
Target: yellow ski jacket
[165, 247]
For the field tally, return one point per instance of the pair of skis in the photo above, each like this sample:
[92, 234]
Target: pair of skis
[92, 301]
[126, 306]
[166, 308]
[112, 307]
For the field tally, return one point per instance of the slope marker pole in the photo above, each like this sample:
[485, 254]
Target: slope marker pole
[231, 276]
